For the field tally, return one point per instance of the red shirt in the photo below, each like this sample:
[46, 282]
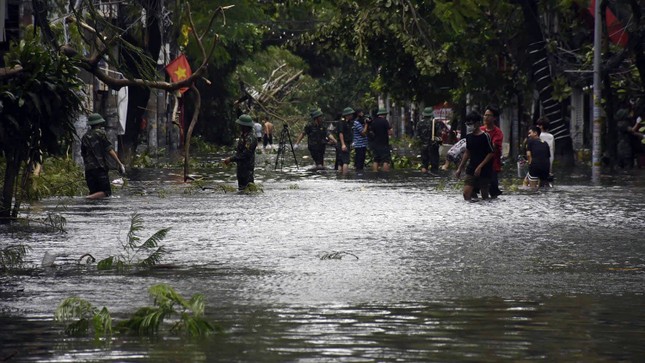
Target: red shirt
[497, 137]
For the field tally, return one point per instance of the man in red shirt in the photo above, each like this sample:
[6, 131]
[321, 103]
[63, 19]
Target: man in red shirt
[491, 116]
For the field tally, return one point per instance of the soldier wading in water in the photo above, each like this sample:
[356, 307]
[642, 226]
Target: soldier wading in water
[317, 138]
[244, 152]
[96, 149]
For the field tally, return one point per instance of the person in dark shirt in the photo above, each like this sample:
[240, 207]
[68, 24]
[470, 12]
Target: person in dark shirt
[480, 152]
[95, 149]
[429, 132]
[317, 138]
[244, 153]
[378, 134]
[345, 139]
[538, 155]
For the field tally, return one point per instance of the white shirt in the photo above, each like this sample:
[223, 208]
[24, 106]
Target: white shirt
[258, 129]
[548, 138]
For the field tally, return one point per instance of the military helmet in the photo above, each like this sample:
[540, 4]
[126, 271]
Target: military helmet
[348, 111]
[95, 119]
[316, 113]
[381, 111]
[245, 120]
[428, 112]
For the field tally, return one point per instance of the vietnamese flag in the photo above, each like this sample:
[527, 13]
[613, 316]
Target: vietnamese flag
[617, 31]
[178, 70]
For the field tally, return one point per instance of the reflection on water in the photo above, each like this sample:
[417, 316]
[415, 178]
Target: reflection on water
[555, 328]
[558, 276]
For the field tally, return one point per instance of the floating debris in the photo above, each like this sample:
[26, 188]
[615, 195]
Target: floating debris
[336, 255]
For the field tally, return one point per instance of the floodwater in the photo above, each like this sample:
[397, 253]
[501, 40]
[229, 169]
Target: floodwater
[424, 276]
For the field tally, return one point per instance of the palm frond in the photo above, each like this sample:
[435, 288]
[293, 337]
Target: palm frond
[154, 239]
[78, 328]
[133, 325]
[102, 322]
[106, 263]
[73, 308]
[154, 258]
[136, 225]
[196, 304]
[165, 297]
[150, 323]
[196, 326]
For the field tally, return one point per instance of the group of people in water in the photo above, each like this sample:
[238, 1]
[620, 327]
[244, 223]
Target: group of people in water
[478, 155]
[354, 131]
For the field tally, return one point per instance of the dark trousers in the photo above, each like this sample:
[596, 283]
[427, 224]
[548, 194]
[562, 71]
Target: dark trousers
[244, 176]
[318, 154]
[430, 157]
[359, 158]
[98, 180]
[494, 185]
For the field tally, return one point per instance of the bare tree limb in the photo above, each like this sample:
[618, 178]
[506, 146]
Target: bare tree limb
[103, 44]
[10, 72]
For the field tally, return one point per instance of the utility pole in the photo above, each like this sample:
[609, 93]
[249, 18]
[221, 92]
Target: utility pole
[597, 125]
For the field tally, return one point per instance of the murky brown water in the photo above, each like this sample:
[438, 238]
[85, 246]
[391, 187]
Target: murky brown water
[558, 276]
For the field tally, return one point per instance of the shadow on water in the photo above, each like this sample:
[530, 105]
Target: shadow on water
[554, 276]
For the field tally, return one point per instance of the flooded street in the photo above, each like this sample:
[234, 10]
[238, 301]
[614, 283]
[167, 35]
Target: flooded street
[424, 276]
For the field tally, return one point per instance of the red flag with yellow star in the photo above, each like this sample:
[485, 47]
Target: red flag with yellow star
[178, 70]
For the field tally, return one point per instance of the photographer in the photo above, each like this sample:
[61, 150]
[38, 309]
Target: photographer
[360, 139]
[345, 139]
[429, 133]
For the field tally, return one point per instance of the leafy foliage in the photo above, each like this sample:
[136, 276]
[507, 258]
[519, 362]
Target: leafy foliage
[13, 257]
[168, 303]
[39, 107]
[253, 188]
[81, 317]
[37, 111]
[134, 249]
[59, 177]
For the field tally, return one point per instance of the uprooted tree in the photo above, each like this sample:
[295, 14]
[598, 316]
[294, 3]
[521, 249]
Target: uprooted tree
[41, 92]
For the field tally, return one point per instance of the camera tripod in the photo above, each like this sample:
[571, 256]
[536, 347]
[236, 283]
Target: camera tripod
[285, 136]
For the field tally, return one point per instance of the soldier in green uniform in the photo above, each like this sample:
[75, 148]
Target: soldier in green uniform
[345, 139]
[429, 134]
[244, 153]
[317, 138]
[95, 149]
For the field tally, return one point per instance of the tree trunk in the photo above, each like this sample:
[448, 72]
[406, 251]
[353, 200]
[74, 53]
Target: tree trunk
[138, 97]
[189, 133]
[543, 80]
[10, 178]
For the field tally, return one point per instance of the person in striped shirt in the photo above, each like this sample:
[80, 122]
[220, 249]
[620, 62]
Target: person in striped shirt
[360, 139]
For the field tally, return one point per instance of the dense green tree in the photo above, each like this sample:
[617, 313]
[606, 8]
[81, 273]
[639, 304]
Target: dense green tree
[39, 89]
[38, 107]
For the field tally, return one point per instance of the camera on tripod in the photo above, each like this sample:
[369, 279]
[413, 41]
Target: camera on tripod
[285, 137]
